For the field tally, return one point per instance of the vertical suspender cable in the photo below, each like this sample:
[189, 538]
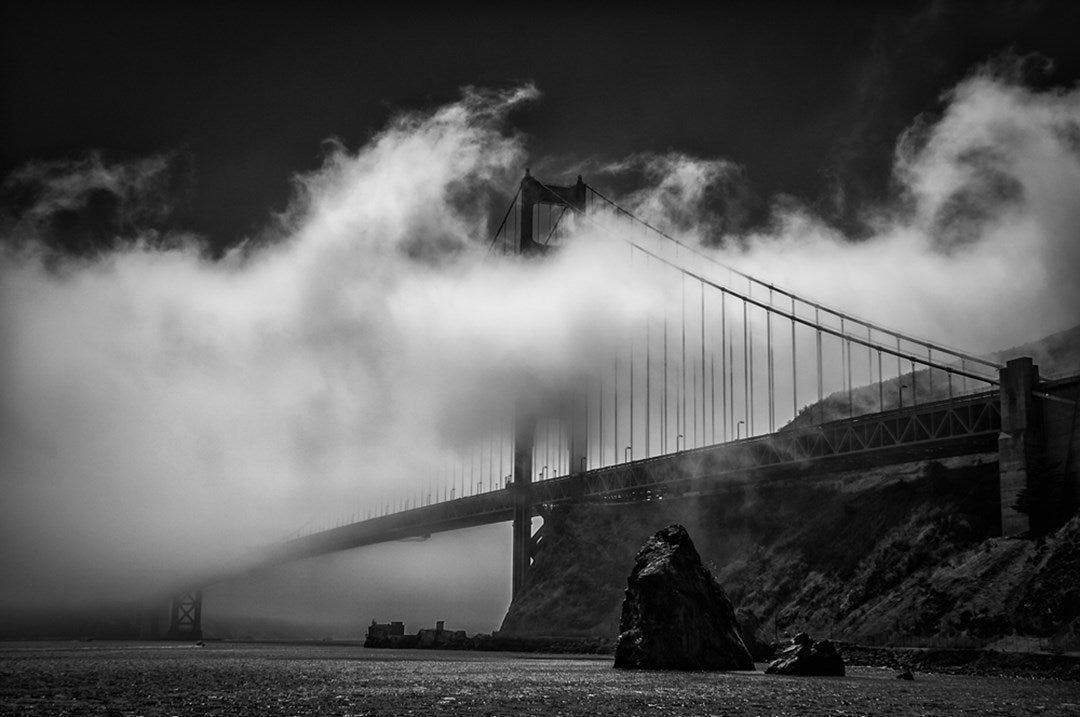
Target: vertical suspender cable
[693, 410]
[769, 365]
[750, 366]
[682, 374]
[648, 374]
[914, 387]
[930, 371]
[723, 366]
[870, 359]
[899, 375]
[851, 387]
[630, 442]
[664, 418]
[600, 422]
[703, 438]
[712, 393]
[881, 383]
[746, 369]
[820, 374]
[794, 364]
[845, 363]
[615, 430]
[731, 383]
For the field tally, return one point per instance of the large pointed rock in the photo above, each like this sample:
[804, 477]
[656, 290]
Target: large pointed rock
[675, 616]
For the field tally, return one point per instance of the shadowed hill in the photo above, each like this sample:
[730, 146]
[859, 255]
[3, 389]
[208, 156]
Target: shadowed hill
[882, 557]
[1056, 355]
[892, 555]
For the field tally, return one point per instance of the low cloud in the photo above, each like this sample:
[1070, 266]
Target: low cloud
[89, 206]
[978, 248]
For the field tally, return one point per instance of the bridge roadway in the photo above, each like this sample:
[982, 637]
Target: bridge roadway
[961, 426]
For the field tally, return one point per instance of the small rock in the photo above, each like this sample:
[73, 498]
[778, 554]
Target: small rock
[805, 656]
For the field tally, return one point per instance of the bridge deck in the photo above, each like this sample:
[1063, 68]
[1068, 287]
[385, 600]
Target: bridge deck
[962, 426]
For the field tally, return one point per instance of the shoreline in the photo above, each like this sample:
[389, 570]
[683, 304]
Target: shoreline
[926, 660]
[930, 660]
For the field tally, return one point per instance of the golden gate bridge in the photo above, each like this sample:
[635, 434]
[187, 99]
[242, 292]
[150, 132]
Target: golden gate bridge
[726, 379]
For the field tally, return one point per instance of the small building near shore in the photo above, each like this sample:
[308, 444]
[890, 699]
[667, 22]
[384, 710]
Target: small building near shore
[378, 631]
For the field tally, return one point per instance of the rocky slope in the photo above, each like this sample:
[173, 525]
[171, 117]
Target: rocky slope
[902, 556]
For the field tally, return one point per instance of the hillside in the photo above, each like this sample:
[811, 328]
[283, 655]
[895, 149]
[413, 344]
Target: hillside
[898, 555]
[1056, 355]
[894, 557]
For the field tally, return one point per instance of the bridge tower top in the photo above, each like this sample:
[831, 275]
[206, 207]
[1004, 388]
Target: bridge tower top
[534, 192]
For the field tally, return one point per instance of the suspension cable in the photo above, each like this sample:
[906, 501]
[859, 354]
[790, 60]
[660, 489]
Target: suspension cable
[783, 292]
[502, 224]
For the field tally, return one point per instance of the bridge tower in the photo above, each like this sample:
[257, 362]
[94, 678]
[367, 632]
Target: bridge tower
[1018, 441]
[533, 193]
[185, 616]
[1036, 449]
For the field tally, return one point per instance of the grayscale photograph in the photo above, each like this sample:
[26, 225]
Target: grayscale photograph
[539, 359]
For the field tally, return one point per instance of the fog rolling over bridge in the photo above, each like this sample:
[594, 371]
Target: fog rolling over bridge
[256, 302]
[691, 421]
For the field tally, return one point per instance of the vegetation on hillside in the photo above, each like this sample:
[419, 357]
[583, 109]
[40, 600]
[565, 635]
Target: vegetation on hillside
[901, 554]
[892, 555]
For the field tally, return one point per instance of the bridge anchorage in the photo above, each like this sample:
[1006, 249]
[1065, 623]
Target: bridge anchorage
[731, 380]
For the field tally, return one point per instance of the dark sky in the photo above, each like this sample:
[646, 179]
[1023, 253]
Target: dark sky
[808, 98]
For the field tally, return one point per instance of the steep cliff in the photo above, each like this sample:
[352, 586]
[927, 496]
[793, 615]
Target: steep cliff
[897, 555]
[902, 554]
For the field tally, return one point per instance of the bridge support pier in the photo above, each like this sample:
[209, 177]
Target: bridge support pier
[1019, 445]
[525, 434]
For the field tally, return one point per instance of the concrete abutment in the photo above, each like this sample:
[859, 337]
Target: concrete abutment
[1036, 449]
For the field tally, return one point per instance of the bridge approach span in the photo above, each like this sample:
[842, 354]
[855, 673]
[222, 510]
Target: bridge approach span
[964, 426]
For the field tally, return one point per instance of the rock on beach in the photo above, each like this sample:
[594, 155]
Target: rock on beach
[675, 615]
[805, 656]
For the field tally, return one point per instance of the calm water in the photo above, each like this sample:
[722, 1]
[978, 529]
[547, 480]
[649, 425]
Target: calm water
[257, 679]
